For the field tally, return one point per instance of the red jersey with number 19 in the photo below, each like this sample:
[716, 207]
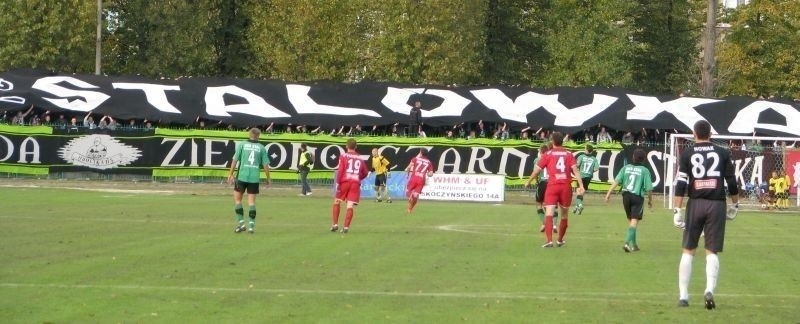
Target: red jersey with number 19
[558, 162]
[351, 168]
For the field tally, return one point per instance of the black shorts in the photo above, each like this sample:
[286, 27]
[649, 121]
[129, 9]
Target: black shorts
[783, 195]
[540, 188]
[705, 216]
[633, 204]
[380, 180]
[586, 181]
[250, 187]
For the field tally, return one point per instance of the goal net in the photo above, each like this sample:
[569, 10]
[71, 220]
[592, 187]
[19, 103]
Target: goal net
[754, 160]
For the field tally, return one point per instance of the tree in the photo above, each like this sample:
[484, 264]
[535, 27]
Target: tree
[168, 38]
[665, 40]
[588, 44]
[760, 54]
[52, 35]
[514, 41]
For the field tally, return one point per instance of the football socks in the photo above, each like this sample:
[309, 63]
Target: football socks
[684, 275]
[335, 213]
[239, 213]
[712, 272]
[348, 216]
[562, 229]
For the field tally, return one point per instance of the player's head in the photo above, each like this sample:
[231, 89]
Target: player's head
[254, 133]
[638, 156]
[543, 149]
[702, 130]
[423, 152]
[351, 143]
[374, 151]
[557, 138]
[589, 149]
[774, 174]
[303, 146]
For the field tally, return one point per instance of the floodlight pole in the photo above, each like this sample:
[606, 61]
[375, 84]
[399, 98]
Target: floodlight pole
[98, 42]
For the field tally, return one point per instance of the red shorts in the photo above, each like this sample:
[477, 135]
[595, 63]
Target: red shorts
[558, 195]
[414, 186]
[349, 191]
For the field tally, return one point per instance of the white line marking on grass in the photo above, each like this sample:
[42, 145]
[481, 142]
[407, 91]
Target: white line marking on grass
[108, 190]
[565, 296]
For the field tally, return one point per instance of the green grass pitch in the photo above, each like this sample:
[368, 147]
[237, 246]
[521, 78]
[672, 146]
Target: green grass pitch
[98, 256]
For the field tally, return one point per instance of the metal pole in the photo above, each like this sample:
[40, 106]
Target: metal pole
[98, 44]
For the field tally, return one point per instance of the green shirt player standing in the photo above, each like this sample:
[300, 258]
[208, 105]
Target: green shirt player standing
[587, 166]
[248, 160]
[635, 180]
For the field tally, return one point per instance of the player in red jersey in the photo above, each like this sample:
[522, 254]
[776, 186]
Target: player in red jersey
[560, 166]
[351, 170]
[419, 168]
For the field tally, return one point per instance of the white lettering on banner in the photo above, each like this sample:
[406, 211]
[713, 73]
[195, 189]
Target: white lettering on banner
[465, 187]
[255, 106]
[193, 153]
[758, 166]
[396, 99]
[91, 99]
[609, 167]
[746, 120]
[650, 158]
[210, 153]
[155, 94]
[8, 86]
[172, 152]
[323, 156]
[272, 159]
[647, 108]
[474, 158]
[523, 160]
[33, 152]
[443, 161]
[518, 110]
[303, 104]
[9, 148]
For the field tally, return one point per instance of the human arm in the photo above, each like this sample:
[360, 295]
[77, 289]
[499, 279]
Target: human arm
[614, 185]
[581, 190]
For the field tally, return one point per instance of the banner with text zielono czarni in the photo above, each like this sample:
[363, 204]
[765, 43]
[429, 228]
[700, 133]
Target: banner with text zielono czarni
[186, 153]
[244, 102]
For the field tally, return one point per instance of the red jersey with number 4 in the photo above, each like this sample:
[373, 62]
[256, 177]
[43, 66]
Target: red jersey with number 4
[558, 162]
[351, 168]
[420, 167]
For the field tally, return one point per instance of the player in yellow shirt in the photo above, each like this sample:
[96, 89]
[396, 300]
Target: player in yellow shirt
[782, 190]
[380, 165]
[773, 192]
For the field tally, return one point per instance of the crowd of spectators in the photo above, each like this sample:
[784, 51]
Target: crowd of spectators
[415, 127]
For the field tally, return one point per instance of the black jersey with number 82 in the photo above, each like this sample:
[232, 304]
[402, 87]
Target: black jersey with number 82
[703, 171]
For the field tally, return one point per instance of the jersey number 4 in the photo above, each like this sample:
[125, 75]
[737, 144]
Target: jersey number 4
[699, 169]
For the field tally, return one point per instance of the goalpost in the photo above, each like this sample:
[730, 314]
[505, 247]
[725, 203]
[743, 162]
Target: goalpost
[754, 159]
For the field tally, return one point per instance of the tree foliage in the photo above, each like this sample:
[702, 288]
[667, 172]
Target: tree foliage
[52, 35]
[646, 45]
[761, 53]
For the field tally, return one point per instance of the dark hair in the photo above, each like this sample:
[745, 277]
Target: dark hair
[303, 146]
[351, 143]
[423, 152]
[557, 138]
[589, 149]
[544, 148]
[638, 156]
[702, 130]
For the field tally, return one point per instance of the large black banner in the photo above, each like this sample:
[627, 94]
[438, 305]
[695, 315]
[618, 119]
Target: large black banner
[258, 102]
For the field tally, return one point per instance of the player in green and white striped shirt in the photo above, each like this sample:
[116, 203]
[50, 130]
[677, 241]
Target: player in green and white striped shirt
[587, 166]
[635, 180]
[248, 160]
